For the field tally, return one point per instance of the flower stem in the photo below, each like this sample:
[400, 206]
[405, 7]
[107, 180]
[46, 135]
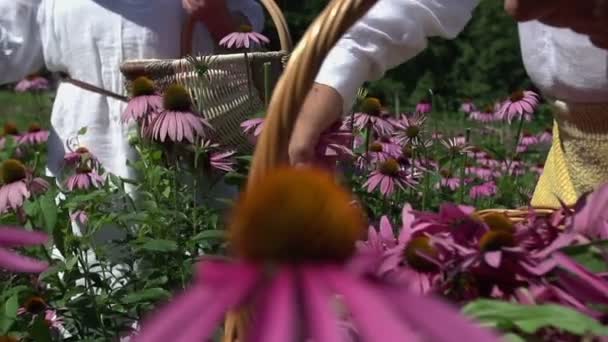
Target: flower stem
[464, 166]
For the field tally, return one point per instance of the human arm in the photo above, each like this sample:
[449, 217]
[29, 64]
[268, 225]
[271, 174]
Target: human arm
[225, 16]
[20, 47]
[392, 32]
[588, 17]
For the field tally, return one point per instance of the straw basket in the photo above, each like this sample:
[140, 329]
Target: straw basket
[233, 88]
[288, 96]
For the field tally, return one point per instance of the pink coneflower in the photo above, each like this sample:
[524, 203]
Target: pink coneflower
[17, 237]
[483, 172]
[177, 122]
[244, 38]
[437, 135]
[409, 129]
[79, 216]
[390, 145]
[520, 104]
[253, 128]
[467, 106]
[307, 256]
[81, 155]
[486, 115]
[53, 320]
[546, 137]
[538, 168]
[388, 176]
[528, 139]
[591, 218]
[521, 148]
[424, 107]
[84, 179]
[214, 158]
[17, 185]
[10, 131]
[370, 116]
[34, 136]
[484, 190]
[476, 153]
[144, 102]
[32, 83]
[334, 145]
[376, 154]
[378, 241]
[448, 180]
[457, 145]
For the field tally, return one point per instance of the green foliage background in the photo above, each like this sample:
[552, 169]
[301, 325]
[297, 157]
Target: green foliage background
[484, 62]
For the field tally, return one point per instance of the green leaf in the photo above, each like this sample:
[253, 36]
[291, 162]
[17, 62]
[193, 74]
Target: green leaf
[513, 338]
[49, 212]
[212, 234]
[159, 245]
[147, 295]
[8, 314]
[82, 131]
[531, 318]
[590, 255]
[39, 331]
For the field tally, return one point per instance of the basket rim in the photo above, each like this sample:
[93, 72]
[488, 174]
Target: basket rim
[221, 57]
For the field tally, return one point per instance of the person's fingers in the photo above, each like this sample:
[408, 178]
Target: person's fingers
[321, 108]
[525, 10]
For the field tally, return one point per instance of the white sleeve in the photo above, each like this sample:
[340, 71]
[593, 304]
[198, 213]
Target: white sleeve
[20, 47]
[251, 9]
[392, 32]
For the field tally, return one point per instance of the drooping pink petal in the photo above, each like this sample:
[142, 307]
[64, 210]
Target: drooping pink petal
[193, 317]
[17, 263]
[425, 313]
[277, 304]
[316, 296]
[370, 309]
[12, 237]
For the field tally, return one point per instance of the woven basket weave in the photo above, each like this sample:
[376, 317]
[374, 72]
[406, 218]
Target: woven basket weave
[288, 96]
[231, 93]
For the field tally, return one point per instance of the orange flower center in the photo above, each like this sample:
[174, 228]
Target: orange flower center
[10, 129]
[8, 339]
[34, 305]
[82, 150]
[517, 96]
[412, 131]
[407, 151]
[177, 98]
[494, 240]
[142, 86]
[371, 106]
[375, 147]
[245, 28]
[34, 128]
[390, 167]
[296, 216]
[416, 253]
[12, 170]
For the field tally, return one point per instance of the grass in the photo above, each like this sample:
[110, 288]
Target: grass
[24, 109]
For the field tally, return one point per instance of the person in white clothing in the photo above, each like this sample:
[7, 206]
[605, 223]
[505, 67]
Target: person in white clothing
[562, 47]
[88, 40]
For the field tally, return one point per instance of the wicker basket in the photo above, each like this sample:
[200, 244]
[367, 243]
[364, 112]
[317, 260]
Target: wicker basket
[231, 93]
[288, 96]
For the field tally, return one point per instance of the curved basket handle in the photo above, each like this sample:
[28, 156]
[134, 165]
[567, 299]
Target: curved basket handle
[275, 14]
[297, 80]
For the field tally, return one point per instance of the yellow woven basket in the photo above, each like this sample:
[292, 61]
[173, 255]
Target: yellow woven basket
[234, 86]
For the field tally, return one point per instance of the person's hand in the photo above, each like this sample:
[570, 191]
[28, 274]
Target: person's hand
[322, 107]
[589, 17]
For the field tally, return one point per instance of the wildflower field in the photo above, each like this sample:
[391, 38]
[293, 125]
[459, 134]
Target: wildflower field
[401, 250]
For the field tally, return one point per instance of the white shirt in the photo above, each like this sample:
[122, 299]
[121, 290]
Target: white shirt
[562, 63]
[89, 39]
